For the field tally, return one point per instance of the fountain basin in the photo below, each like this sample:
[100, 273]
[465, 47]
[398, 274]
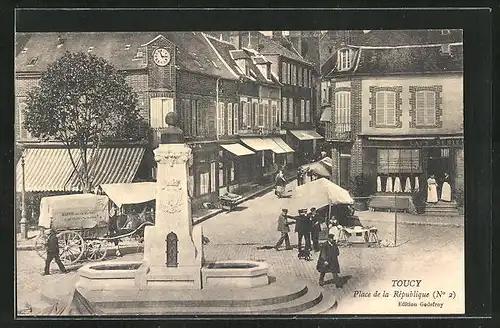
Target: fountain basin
[124, 274]
[234, 274]
[108, 276]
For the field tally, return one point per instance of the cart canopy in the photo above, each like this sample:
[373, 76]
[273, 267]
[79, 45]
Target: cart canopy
[70, 212]
[317, 193]
[130, 193]
[322, 167]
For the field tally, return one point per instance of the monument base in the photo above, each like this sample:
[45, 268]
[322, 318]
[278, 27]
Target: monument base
[172, 278]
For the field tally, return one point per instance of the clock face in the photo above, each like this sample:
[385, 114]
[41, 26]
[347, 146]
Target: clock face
[161, 56]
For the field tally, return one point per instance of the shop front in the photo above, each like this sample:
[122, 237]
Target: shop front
[304, 142]
[403, 164]
[235, 167]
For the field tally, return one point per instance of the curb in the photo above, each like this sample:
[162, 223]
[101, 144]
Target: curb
[420, 223]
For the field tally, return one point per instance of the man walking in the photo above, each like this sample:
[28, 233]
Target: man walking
[315, 228]
[53, 253]
[303, 229]
[300, 176]
[328, 261]
[283, 227]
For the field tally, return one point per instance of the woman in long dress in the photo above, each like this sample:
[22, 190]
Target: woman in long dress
[446, 189]
[432, 196]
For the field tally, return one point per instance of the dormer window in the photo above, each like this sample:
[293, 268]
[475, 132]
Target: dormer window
[445, 49]
[90, 49]
[445, 32]
[344, 59]
[25, 50]
[33, 61]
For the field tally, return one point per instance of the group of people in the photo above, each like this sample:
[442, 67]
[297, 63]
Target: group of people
[302, 174]
[432, 192]
[308, 228]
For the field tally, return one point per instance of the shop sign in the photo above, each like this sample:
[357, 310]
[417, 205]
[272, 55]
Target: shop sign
[417, 143]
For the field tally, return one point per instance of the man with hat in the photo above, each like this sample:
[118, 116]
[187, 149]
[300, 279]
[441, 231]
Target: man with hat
[328, 261]
[303, 229]
[53, 253]
[283, 227]
[315, 228]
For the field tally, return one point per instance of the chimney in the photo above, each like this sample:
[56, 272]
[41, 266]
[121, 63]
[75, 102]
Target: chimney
[296, 38]
[235, 39]
[277, 34]
[60, 41]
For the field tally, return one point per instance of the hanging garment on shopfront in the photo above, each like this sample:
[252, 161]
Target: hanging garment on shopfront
[417, 185]
[408, 185]
[397, 185]
[379, 184]
[388, 184]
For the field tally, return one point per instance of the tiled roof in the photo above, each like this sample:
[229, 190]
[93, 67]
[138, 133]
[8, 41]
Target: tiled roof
[226, 50]
[193, 51]
[239, 54]
[403, 37]
[271, 47]
[410, 59]
[21, 40]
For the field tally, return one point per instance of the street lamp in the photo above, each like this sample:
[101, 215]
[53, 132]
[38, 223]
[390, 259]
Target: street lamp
[24, 232]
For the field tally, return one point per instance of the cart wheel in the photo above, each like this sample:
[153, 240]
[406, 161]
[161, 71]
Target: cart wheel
[40, 247]
[96, 250]
[71, 247]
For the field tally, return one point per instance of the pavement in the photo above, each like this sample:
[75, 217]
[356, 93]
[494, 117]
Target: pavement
[426, 248]
[365, 216]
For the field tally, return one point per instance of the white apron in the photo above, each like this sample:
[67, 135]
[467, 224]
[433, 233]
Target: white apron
[379, 184]
[408, 185]
[397, 185]
[388, 184]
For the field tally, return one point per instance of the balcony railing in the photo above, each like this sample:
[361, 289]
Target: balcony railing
[260, 131]
[338, 132]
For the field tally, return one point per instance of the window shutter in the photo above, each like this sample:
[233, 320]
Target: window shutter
[390, 108]
[308, 111]
[420, 108]
[260, 115]
[430, 106]
[229, 119]
[302, 111]
[380, 108]
[284, 110]
[236, 118]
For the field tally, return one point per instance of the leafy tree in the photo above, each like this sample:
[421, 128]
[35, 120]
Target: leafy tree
[82, 101]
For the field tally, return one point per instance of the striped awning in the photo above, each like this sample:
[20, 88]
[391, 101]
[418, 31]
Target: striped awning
[258, 144]
[237, 149]
[48, 169]
[306, 134]
[283, 145]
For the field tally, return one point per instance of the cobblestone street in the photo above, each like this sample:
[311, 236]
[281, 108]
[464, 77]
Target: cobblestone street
[431, 253]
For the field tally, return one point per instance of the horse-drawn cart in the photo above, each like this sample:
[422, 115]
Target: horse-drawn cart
[82, 225]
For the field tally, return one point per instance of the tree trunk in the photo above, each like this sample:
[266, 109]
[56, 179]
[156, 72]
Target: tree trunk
[86, 187]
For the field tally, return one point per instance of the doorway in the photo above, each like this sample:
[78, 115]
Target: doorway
[438, 163]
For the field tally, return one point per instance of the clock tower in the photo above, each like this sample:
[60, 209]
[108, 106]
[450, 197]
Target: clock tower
[161, 64]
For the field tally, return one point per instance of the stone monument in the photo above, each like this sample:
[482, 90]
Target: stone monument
[173, 252]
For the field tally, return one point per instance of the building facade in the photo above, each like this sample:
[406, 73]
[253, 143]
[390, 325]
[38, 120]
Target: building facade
[396, 112]
[225, 96]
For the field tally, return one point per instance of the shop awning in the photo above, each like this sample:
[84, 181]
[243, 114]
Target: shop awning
[326, 116]
[130, 193]
[283, 145]
[258, 144]
[306, 134]
[48, 169]
[45, 169]
[237, 149]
